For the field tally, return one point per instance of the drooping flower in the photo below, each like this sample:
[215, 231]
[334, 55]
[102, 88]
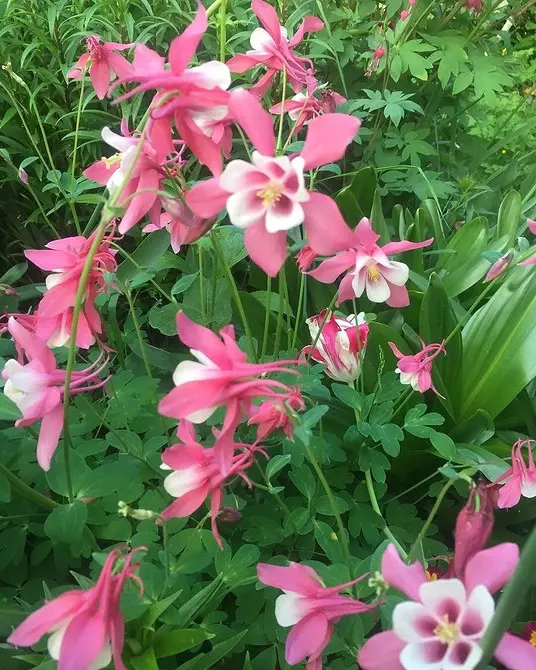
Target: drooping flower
[86, 627]
[378, 54]
[304, 107]
[340, 345]
[499, 266]
[65, 260]
[197, 475]
[443, 623]
[272, 415]
[416, 370]
[193, 99]
[305, 258]
[221, 377]
[104, 63]
[311, 608]
[184, 227]
[519, 480]
[272, 49]
[268, 197]
[372, 272]
[37, 386]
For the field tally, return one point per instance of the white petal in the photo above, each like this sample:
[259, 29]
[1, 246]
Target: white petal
[464, 655]
[245, 208]
[409, 378]
[104, 658]
[206, 119]
[301, 193]
[397, 273]
[214, 75]
[277, 220]
[190, 371]
[240, 175]
[358, 282]
[480, 607]
[415, 657]
[116, 141]
[377, 290]
[413, 623]
[201, 415]
[54, 643]
[53, 279]
[261, 42]
[270, 165]
[291, 608]
[444, 597]
[183, 481]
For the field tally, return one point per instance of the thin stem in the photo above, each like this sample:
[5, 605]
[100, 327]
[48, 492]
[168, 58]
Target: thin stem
[165, 542]
[223, 31]
[213, 7]
[201, 283]
[279, 326]
[326, 317]
[420, 537]
[405, 399]
[412, 488]
[374, 502]
[299, 310]
[282, 111]
[27, 491]
[266, 316]
[156, 285]
[511, 600]
[463, 322]
[77, 127]
[287, 299]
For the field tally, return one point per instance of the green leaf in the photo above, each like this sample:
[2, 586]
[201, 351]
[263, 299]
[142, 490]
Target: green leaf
[477, 429]
[183, 283]
[508, 217]
[14, 274]
[164, 318]
[443, 444]
[158, 608]
[463, 80]
[390, 435]
[231, 239]
[328, 541]
[109, 477]
[146, 255]
[66, 522]
[276, 463]
[348, 395]
[5, 489]
[176, 641]
[219, 651]
[147, 661]
[304, 481]
[8, 410]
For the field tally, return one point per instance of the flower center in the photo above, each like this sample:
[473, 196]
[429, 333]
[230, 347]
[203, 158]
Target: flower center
[431, 576]
[270, 194]
[110, 161]
[533, 638]
[373, 274]
[447, 632]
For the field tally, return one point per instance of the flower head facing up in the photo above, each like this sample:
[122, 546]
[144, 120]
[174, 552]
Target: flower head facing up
[220, 377]
[272, 415]
[443, 623]
[416, 370]
[86, 627]
[267, 197]
[520, 479]
[368, 268]
[36, 387]
[104, 63]
[311, 608]
[340, 344]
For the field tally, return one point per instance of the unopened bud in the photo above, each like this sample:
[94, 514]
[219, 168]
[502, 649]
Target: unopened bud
[378, 583]
[404, 14]
[499, 266]
[23, 176]
[379, 53]
[139, 514]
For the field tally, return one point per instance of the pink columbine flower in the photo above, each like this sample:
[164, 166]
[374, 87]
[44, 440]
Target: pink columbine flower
[86, 628]
[221, 377]
[272, 415]
[340, 345]
[272, 49]
[311, 608]
[305, 258]
[371, 271]
[304, 107]
[268, 197]
[442, 625]
[194, 99]
[65, 260]
[197, 475]
[184, 227]
[416, 370]
[103, 62]
[519, 480]
[37, 388]
[499, 266]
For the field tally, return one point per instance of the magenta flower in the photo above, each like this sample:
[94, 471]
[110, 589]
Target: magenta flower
[311, 608]
[304, 107]
[221, 377]
[104, 64]
[372, 272]
[272, 415]
[37, 388]
[416, 370]
[305, 258]
[340, 344]
[86, 627]
[183, 226]
[272, 49]
[499, 266]
[442, 625]
[519, 480]
[268, 197]
[197, 475]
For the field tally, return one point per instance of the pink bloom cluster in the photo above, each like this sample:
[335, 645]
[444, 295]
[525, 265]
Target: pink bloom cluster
[103, 62]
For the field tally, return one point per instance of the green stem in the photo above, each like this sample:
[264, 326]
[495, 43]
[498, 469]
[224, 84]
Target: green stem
[201, 283]
[412, 488]
[299, 310]
[422, 534]
[326, 317]
[156, 285]
[213, 7]
[287, 300]
[27, 491]
[374, 502]
[406, 397]
[223, 32]
[511, 600]
[469, 313]
[267, 310]
[279, 326]
[77, 127]
[282, 112]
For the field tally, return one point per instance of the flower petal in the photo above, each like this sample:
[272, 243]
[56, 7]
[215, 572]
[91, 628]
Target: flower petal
[183, 47]
[327, 138]
[100, 78]
[381, 652]
[83, 641]
[305, 637]
[328, 271]
[413, 623]
[255, 121]
[406, 578]
[49, 435]
[207, 198]
[515, 653]
[267, 250]
[327, 232]
[295, 577]
[492, 567]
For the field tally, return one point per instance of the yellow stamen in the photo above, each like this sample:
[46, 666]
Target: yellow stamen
[373, 273]
[111, 161]
[447, 632]
[431, 576]
[270, 194]
[533, 638]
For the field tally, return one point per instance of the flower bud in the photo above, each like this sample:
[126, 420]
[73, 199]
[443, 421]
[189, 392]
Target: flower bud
[499, 266]
[405, 13]
[379, 53]
[229, 514]
[305, 258]
[532, 226]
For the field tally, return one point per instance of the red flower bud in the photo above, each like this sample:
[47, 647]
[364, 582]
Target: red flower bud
[379, 53]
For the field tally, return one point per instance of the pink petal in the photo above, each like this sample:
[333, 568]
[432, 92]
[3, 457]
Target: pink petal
[492, 567]
[83, 641]
[268, 17]
[396, 351]
[327, 139]
[186, 504]
[34, 348]
[381, 652]
[327, 232]
[398, 247]
[225, 446]
[295, 577]
[76, 71]
[49, 435]
[207, 198]
[100, 78]
[215, 503]
[117, 639]
[202, 339]
[138, 207]
[147, 62]
[50, 259]
[255, 121]
[310, 24]
[515, 653]
[99, 172]
[159, 135]
[183, 47]
[241, 62]
[365, 236]
[529, 261]
[267, 250]
[120, 65]
[191, 397]
[399, 296]
[510, 493]
[306, 637]
[261, 87]
[328, 271]
[59, 298]
[405, 578]
[203, 147]
[32, 629]
[346, 289]
[532, 226]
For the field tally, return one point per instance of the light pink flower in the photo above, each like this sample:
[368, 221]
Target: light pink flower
[416, 370]
[499, 266]
[272, 49]
[221, 377]
[86, 627]
[476, 5]
[272, 415]
[197, 475]
[406, 12]
[305, 258]
[65, 260]
[103, 62]
[531, 226]
[442, 625]
[268, 197]
[37, 388]
[304, 107]
[340, 344]
[371, 271]
[184, 227]
[23, 175]
[311, 608]
[519, 480]
[194, 99]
